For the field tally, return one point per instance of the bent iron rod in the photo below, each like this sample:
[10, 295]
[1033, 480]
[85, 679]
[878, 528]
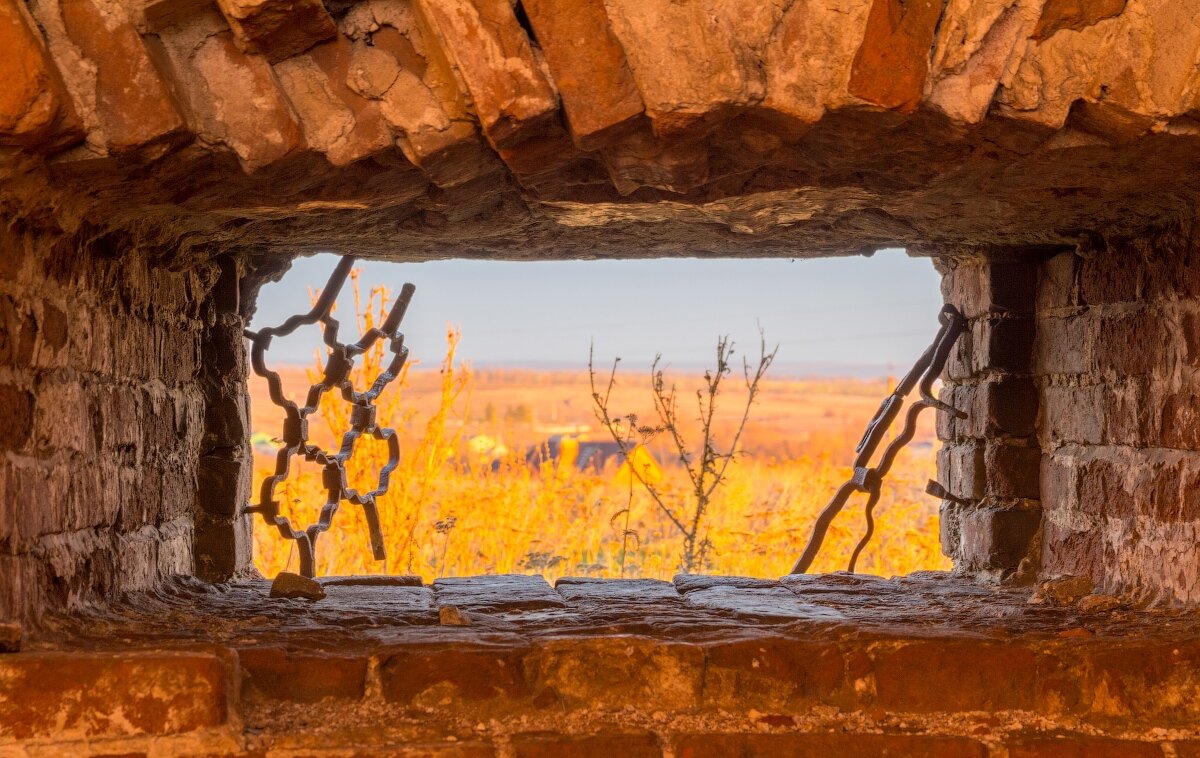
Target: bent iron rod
[870, 479]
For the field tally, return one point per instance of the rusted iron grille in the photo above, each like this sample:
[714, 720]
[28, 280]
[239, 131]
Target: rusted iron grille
[335, 375]
[869, 479]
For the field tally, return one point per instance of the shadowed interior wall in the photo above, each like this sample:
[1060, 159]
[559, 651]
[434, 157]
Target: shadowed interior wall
[120, 382]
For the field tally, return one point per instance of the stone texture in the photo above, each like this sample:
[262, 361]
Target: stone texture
[893, 60]
[278, 29]
[290, 585]
[491, 54]
[123, 99]
[35, 111]
[589, 69]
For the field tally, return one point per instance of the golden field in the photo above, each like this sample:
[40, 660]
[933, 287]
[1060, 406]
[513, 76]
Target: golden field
[464, 500]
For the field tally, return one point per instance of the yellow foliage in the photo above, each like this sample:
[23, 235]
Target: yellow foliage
[447, 513]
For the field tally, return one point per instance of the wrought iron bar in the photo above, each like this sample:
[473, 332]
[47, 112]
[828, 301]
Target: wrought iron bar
[335, 375]
[869, 479]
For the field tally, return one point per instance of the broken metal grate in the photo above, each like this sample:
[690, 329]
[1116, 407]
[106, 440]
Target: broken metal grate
[335, 375]
[869, 479]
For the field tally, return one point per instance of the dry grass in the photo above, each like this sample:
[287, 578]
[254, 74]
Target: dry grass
[452, 511]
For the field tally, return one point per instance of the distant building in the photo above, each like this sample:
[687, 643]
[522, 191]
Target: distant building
[593, 455]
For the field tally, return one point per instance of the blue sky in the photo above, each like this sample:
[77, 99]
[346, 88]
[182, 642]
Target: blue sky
[833, 316]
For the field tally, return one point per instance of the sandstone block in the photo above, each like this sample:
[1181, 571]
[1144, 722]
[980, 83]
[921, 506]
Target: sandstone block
[277, 674]
[337, 121]
[893, 61]
[978, 288]
[233, 97]
[35, 110]
[1078, 746]
[1132, 344]
[590, 746]
[589, 68]
[996, 539]
[773, 674]
[1065, 345]
[491, 54]
[1073, 414]
[818, 745]
[94, 695]
[1013, 471]
[615, 671]
[278, 29]
[123, 98]
[18, 412]
[954, 676]
[468, 675]
[1007, 406]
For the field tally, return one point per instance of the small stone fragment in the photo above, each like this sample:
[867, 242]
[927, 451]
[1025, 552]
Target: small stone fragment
[1066, 590]
[1099, 603]
[288, 584]
[450, 615]
[10, 637]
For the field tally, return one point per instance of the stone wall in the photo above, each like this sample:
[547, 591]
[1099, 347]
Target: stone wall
[1118, 353]
[121, 390]
[989, 460]
[1082, 377]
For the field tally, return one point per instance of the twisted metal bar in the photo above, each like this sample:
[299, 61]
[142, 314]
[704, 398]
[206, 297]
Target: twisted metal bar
[869, 479]
[335, 375]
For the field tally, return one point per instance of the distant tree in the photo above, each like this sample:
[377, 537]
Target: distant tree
[706, 465]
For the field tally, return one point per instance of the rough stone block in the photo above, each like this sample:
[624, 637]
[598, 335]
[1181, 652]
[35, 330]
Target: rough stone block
[73, 696]
[603, 745]
[1073, 414]
[500, 592]
[616, 671]
[820, 745]
[234, 98]
[1132, 344]
[35, 110]
[16, 417]
[278, 29]
[1064, 345]
[772, 673]
[980, 287]
[125, 102]
[1012, 471]
[893, 60]
[1004, 407]
[1112, 277]
[996, 539]
[954, 676]
[599, 95]
[491, 54]
[467, 675]
[278, 674]
[1057, 282]
[223, 482]
[1080, 746]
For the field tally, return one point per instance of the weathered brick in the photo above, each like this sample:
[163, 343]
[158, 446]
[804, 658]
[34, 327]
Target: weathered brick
[1064, 345]
[588, 65]
[1057, 281]
[1073, 414]
[969, 675]
[1006, 406]
[35, 110]
[1111, 277]
[301, 677]
[16, 416]
[470, 675]
[818, 745]
[1071, 551]
[893, 60]
[996, 539]
[589, 746]
[491, 53]
[1131, 344]
[278, 29]
[962, 470]
[1117, 679]
[616, 671]
[1081, 746]
[772, 673]
[128, 117]
[81, 695]
[1012, 471]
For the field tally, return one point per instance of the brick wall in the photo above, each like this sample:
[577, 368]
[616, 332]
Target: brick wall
[117, 378]
[1082, 376]
[990, 461]
[1118, 350]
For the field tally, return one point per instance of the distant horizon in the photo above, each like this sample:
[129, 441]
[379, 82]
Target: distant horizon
[857, 317]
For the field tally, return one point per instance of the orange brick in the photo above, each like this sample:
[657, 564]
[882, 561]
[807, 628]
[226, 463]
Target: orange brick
[825, 746]
[590, 746]
[301, 677]
[83, 695]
